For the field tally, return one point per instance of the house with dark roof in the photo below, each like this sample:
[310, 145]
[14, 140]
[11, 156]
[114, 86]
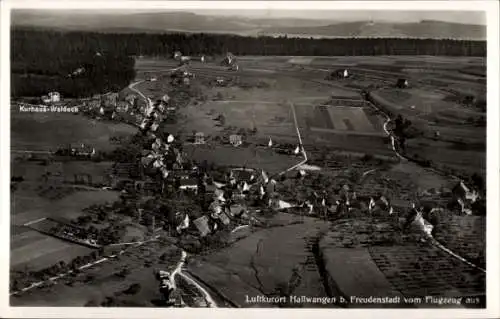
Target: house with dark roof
[202, 225]
[402, 83]
[338, 74]
[235, 140]
[243, 175]
[199, 138]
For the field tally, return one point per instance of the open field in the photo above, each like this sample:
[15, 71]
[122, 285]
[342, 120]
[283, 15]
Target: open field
[267, 117]
[31, 250]
[108, 280]
[34, 251]
[62, 172]
[250, 157]
[49, 131]
[248, 267]
[268, 108]
[356, 274]
[68, 207]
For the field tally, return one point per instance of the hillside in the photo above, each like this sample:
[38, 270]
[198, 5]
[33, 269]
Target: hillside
[150, 22]
[422, 29]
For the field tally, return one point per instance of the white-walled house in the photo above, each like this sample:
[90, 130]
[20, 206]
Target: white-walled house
[54, 96]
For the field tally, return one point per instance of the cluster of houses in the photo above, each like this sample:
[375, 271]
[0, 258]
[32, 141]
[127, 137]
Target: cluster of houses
[181, 76]
[110, 106]
[229, 193]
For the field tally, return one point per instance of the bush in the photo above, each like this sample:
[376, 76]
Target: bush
[367, 157]
[133, 289]
[123, 273]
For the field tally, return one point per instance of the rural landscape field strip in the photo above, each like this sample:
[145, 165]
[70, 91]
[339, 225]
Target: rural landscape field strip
[433, 241]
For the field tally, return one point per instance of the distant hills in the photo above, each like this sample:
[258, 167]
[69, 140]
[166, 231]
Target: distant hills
[422, 29]
[166, 22]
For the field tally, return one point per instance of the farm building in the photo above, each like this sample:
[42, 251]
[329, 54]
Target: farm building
[82, 179]
[243, 175]
[46, 99]
[130, 99]
[228, 60]
[52, 97]
[110, 100]
[339, 74]
[220, 81]
[469, 100]
[402, 83]
[201, 225]
[122, 106]
[462, 191]
[464, 195]
[199, 138]
[189, 184]
[165, 98]
[81, 150]
[236, 210]
[235, 140]
[177, 55]
[55, 97]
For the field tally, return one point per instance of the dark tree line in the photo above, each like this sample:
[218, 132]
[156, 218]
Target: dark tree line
[26, 40]
[41, 60]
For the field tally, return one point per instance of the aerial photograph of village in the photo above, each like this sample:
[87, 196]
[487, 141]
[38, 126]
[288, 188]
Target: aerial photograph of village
[238, 159]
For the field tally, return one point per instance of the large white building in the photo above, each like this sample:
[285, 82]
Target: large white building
[55, 96]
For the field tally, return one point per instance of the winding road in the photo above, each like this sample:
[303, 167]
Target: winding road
[179, 269]
[178, 272]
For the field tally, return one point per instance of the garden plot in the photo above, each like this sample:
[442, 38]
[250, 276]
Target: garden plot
[464, 235]
[414, 100]
[427, 271]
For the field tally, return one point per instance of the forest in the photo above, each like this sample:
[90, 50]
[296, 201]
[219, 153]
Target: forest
[42, 59]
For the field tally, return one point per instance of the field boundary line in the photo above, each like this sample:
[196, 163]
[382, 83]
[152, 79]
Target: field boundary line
[292, 106]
